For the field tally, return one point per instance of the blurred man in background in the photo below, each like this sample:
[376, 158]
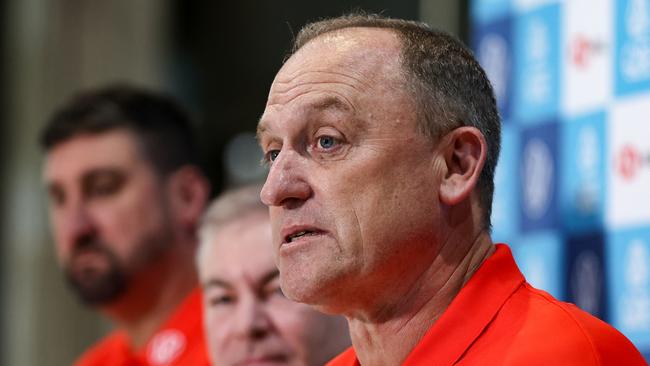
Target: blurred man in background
[125, 195]
[248, 320]
[383, 136]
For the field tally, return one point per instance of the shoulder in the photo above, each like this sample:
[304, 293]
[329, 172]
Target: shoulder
[107, 351]
[562, 331]
[347, 358]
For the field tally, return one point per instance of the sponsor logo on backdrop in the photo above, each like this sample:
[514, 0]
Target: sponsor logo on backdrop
[635, 52]
[537, 180]
[630, 161]
[587, 198]
[493, 54]
[586, 39]
[538, 50]
[583, 50]
[586, 282]
[636, 302]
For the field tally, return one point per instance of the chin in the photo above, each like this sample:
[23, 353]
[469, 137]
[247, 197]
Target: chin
[302, 289]
[317, 293]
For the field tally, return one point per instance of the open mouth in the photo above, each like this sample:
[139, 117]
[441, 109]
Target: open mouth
[301, 234]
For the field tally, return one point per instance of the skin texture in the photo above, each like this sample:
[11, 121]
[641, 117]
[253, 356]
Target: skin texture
[248, 320]
[111, 212]
[394, 223]
[371, 120]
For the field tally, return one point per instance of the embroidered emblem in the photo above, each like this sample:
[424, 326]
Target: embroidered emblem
[165, 347]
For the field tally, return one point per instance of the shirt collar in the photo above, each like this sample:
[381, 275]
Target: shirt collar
[464, 320]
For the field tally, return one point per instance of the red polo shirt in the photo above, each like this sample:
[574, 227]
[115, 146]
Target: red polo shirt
[179, 341]
[499, 319]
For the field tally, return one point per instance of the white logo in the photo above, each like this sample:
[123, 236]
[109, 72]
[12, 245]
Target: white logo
[587, 196]
[166, 346]
[537, 178]
[636, 300]
[539, 84]
[586, 282]
[493, 52]
[635, 53]
[636, 275]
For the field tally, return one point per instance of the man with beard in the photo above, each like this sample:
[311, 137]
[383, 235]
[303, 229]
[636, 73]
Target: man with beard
[125, 195]
[382, 137]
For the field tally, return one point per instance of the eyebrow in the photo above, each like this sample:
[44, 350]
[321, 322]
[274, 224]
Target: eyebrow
[330, 102]
[215, 282]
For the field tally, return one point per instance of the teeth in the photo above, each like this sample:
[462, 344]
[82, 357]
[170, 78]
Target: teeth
[297, 235]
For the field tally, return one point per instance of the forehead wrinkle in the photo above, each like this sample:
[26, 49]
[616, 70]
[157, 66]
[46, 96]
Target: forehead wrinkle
[301, 73]
[332, 101]
[288, 83]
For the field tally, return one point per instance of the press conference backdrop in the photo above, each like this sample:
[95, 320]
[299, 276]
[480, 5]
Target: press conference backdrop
[572, 81]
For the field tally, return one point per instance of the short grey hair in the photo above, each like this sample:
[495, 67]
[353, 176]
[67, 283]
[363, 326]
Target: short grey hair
[229, 206]
[449, 86]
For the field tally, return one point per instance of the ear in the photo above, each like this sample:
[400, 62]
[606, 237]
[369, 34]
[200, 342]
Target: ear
[465, 152]
[189, 190]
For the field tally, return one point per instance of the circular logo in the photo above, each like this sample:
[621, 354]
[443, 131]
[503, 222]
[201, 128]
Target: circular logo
[165, 347]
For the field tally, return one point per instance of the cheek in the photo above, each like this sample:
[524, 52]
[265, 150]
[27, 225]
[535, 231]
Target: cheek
[217, 328]
[126, 221]
[61, 245]
[275, 217]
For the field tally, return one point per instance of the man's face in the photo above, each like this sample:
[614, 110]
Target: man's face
[352, 186]
[247, 318]
[107, 210]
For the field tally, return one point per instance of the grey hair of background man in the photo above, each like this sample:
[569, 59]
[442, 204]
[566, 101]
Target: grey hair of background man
[228, 207]
[449, 86]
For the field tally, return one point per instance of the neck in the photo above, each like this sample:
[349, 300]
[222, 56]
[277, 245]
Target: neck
[153, 297]
[386, 335]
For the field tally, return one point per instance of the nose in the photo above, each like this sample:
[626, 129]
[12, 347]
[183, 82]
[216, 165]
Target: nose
[74, 226]
[287, 181]
[252, 321]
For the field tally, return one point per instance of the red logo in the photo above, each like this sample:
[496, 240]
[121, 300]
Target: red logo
[628, 162]
[582, 49]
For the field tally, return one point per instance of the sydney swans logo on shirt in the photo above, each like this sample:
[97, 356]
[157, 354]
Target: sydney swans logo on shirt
[166, 346]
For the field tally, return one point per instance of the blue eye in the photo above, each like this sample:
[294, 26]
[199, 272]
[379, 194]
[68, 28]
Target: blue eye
[272, 155]
[326, 142]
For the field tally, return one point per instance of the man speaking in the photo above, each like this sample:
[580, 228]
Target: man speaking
[382, 137]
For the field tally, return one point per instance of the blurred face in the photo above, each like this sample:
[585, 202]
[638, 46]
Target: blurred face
[107, 211]
[248, 320]
[352, 186]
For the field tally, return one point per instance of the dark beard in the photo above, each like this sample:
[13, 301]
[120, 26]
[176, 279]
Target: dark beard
[96, 286]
